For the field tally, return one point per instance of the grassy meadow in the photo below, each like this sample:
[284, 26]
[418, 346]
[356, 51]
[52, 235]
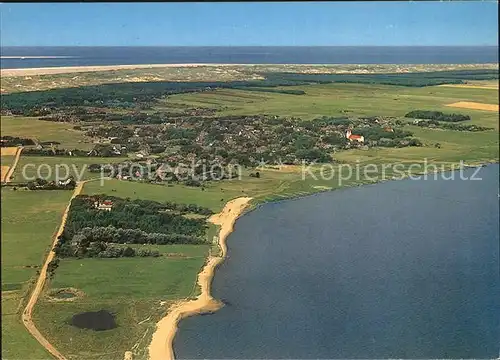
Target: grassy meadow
[50, 167]
[134, 289]
[29, 222]
[42, 131]
[344, 100]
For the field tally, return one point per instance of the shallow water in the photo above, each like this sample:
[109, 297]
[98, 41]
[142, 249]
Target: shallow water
[403, 269]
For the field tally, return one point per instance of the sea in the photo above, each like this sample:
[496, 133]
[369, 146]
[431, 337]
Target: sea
[403, 269]
[86, 56]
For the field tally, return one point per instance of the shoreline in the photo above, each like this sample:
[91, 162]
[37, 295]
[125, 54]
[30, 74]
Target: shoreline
[161, 346]
[97, 68]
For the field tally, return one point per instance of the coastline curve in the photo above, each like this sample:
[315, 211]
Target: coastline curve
[161, 346]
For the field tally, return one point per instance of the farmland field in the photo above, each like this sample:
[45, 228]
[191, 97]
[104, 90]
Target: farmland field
[50, 167]
[343, 100]
[29, 220]
[44, 131]
[8, 151]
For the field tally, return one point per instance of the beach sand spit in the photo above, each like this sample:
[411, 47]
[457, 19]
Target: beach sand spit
[161, 347]
[474, 106]
[77, 69]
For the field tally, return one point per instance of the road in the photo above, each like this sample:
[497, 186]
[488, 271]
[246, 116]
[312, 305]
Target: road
[27, 313]
[13, 167]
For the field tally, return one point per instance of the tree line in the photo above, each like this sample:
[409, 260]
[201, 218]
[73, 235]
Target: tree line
[436, 115]
[11, 141]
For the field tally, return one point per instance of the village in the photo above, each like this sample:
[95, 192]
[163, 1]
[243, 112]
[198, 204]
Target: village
[228, 139]
[192, 150]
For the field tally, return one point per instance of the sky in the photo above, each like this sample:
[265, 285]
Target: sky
[250, 24]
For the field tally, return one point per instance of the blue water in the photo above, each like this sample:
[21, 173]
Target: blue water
[403, 269]
[249, 55]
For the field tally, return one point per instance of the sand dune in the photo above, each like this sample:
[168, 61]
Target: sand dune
[161, 347]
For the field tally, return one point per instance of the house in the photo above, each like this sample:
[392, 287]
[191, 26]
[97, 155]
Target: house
[388, 129]
[106, 205]
[65, 182]
[116, 151]
[351, 137]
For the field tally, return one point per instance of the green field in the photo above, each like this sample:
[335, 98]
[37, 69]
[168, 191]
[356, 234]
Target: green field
[7, 160]
[45, 131]
[49, 167]
[132, 288]
[344, 99]
[29, 221]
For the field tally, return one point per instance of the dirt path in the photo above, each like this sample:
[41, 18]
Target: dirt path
[161, 347]
[13, 167]
[26, 317]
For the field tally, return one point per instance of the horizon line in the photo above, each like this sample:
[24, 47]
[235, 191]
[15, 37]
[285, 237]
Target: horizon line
[55, 46]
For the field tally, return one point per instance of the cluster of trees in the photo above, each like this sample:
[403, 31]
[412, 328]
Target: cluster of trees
[110, 131]
[279, 91]
[378, 132]
[101, 249]
[42, 184]
[100, 150]
[385, 142]
[447, 126]
[107, 150]
[418, 79]
[90, 232]
[168, 205]
[150, 217]
[55, 152]
[51, 267]
[436, 115]
[319, 123]
[381, 136]
[11, 141]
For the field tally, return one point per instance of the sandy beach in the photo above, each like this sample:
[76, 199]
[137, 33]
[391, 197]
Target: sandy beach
[78, 69]
[161, 347]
